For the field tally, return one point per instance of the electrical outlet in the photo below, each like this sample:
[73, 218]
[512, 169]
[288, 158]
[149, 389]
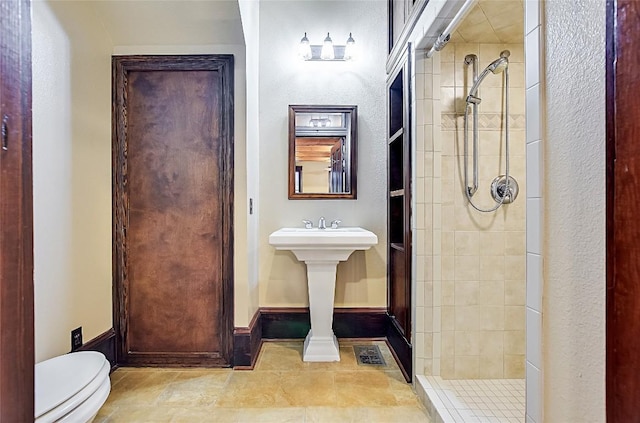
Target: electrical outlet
[76, 338]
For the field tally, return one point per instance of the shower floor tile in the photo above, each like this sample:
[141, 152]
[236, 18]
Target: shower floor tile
[474, 400]
[281, 388]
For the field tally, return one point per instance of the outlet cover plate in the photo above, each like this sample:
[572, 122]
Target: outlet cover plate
[76, 338]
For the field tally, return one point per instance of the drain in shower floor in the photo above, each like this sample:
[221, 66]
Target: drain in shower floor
[369, 354]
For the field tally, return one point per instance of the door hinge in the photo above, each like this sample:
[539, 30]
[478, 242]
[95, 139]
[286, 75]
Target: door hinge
[5, 133]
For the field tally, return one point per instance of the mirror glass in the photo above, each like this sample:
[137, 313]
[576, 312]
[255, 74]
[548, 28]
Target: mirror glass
[322, 152]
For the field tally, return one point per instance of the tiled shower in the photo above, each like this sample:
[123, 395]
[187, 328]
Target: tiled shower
[470, 266]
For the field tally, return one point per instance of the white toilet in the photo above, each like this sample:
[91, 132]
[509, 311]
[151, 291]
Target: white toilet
[72, 387]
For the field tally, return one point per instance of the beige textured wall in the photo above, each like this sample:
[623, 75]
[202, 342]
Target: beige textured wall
[71, 175]
[574, 306]
[285, 80]
[470, 265]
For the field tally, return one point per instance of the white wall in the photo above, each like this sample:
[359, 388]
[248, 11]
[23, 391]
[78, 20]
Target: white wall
[71, 175]
[246, 300]
[574, 256]
[285, 80]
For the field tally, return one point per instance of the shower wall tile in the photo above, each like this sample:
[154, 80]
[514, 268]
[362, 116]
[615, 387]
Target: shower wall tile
[448, 99]
[534, 225]
[534, 394]
[466, 293]
[492, 344]
[492, 293]
[419, 344]
[534, 287]
[514, 292]
[466, 243]
[491, 367]
[467, 343]
[448, 75]
[534, 126]
[419, 94]
[428, 294]
[532, 46]
[514, 318]
[420, 285]
[515, 242]
[534, 333]
[472, 291]
[467, 367]
[513, 366]
[492, 268]
[534, 176]
[531, 16]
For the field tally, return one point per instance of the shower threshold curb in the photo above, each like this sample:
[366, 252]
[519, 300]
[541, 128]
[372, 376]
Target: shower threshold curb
[441, 402]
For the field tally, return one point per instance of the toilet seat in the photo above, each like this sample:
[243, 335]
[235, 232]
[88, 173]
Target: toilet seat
[66, 384]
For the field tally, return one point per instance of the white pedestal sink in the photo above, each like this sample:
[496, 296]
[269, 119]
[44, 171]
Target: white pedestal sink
[321, 250]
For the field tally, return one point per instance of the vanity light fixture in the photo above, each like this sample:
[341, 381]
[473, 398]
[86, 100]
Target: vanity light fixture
[327, 51]
[321, 122]
[350, 48]
[305, 48]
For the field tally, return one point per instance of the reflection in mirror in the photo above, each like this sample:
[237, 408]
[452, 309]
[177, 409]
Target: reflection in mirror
[322, 151]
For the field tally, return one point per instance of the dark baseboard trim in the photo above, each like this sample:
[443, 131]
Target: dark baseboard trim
[292, 323]
[246, 343]
[400, 348]
[104, 343]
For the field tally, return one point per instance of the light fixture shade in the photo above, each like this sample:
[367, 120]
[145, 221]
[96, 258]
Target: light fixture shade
[327, 49]
[350, 48]
[304, 50]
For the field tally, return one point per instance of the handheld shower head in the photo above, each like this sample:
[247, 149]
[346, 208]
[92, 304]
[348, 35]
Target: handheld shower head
[498, 65]
[501, 63]
[495, 67]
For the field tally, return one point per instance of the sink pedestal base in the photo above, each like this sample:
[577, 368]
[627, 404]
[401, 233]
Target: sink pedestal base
[319, 348]
[321, 344]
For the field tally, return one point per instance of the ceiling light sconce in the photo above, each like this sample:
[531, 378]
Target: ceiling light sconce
[327, 51]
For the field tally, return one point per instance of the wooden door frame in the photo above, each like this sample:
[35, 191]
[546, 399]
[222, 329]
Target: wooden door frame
[16, 271]
[622, 203]
[121, 65]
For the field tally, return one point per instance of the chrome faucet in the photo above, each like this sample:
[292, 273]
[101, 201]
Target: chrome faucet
[322, 224]
[335, 223]
[307, 224]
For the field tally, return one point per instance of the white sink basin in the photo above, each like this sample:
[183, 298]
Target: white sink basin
[340, 240]
[321, 250]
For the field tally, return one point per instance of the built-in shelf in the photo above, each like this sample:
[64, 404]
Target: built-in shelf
[399, 208]
[397, 246]
[395, 136]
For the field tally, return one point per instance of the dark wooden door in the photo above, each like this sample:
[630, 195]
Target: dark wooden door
[16, 216]
[174, 207]
[623, 207]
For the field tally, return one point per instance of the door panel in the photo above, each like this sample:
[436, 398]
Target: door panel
[178, 274]
[16, 216]
[623, 204]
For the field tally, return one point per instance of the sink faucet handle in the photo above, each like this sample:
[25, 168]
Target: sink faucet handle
[335, 223]
[307, 224]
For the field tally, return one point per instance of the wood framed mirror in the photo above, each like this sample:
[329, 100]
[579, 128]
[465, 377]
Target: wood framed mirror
[322, 152]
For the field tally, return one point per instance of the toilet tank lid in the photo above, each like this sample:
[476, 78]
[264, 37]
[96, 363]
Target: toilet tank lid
[62, 377]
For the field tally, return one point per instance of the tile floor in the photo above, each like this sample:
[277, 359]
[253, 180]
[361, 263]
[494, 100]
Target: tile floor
[282, 388]
[474, 401]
